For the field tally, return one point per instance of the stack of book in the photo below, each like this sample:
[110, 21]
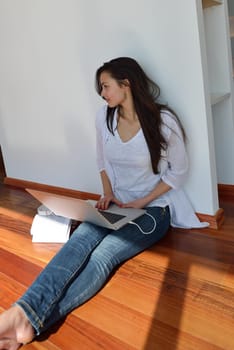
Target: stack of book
[50, 228]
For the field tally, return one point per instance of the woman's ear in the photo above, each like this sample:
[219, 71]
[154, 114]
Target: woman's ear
[125, 83]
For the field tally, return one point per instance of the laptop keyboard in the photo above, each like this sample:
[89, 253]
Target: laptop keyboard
[111, 217]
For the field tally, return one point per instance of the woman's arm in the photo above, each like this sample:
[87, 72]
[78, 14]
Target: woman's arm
[158, 191]
[106, 185]
[175, 173]
[177, 168]
[108, 195]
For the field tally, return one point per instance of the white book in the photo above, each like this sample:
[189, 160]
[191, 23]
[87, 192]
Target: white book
[50, 229]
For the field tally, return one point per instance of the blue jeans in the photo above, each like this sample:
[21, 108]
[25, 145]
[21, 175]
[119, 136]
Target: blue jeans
[82, 266]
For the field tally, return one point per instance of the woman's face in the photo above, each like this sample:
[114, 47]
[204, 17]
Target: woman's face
[114, 93]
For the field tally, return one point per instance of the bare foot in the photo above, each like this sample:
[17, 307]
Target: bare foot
[15, 329]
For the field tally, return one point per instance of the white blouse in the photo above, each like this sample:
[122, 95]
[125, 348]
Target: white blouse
[128, 166]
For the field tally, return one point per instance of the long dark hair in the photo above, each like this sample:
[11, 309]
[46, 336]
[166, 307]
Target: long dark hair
[145, 93]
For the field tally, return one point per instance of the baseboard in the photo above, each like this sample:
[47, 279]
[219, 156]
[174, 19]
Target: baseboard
[226, 192]
[52, 189]
[215, 221]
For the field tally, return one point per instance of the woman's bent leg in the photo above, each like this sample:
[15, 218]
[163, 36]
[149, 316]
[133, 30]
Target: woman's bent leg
[40, 299]
[115, 248]
[75, 283]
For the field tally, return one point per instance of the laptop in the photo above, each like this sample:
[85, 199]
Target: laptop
[84, 210]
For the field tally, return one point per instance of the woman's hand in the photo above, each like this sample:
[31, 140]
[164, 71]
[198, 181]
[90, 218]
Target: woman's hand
[158, 191]
[104, 202]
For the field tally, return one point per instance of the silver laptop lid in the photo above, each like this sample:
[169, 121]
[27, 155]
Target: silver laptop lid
[82, 210]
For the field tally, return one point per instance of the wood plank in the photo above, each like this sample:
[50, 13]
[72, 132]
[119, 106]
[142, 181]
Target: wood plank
[10, 290]
[38, 253]
[142, 332]
[86, 336]
[17, 268]
[177, 295]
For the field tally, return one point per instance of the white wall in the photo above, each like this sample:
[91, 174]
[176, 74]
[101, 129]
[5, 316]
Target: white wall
[231, 13]
[220, 80]
[50, 50]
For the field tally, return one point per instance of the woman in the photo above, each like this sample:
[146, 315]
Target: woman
[143, 164]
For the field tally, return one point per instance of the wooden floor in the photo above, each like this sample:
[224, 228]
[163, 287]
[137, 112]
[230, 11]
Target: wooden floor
[177, 295]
